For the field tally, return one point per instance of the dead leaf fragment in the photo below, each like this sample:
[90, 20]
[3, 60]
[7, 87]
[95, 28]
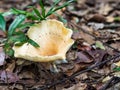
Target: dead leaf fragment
[117, 63]
[99, 44]
[105, 9]
[79, 86]
[109, 19]
[9, 77]
[97, 18]
[11, 66]
[2, 56]
[2, 34]
[83, 58]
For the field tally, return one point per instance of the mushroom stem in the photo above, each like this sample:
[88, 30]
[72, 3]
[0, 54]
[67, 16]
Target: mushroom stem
[53, 68]
[60, 61]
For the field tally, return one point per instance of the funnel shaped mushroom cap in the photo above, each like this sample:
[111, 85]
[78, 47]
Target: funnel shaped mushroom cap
[54, 40]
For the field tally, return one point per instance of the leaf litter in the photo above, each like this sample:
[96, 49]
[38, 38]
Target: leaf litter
[88, 51]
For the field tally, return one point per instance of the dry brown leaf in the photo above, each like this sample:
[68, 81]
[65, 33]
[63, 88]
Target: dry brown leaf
[89, 39]
[105, 9]
[26, 74]
[11, 66]
[118, 63]
[2, 56]
[2, 34]
[109, 19]
[79, 86]
[97, 18]
[83, 57]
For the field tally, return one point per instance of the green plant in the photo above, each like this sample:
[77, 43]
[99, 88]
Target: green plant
[35, 15]
[15, 35]
[117, 69]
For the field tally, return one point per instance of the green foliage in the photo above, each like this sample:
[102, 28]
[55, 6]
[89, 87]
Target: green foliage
[36, 15]
[15, 35]
[117, 69]
[25, 25]
[18, 20]
[100, 45]
[2, 23]
[61, 18]
[8, 49]
[33, 43]
[42, 7]
[117, 19]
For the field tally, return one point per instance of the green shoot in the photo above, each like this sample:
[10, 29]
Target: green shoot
[117, 69]
[2, 23]
[36, 15]
[15, 35]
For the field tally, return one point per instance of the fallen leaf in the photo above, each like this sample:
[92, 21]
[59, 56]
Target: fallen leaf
[118, 63]
[11, 66]
[97, 54]
[71, 55]
[105, 9]
[83, 57]
[97, 18]
[90, 2]
[26, 75]
[2, 34]
[81, 45]
[109, 19]
[77, 67]
[76, 35]
[79, 86]
[99, 44]
[2, 56]
[9, 77]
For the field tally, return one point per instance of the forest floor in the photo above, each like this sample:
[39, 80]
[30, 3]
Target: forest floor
[93, 60]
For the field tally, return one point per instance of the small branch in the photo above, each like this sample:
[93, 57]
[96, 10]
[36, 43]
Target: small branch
[113, 81]
[111, 26]
[74, 75]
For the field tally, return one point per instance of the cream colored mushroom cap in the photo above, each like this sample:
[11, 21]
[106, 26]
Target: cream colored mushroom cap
[54, 40]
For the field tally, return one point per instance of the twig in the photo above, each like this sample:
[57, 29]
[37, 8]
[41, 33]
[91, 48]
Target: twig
[112, 26]
[74, 75]
[108, 84]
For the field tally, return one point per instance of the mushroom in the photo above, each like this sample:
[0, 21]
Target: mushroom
[53, 38]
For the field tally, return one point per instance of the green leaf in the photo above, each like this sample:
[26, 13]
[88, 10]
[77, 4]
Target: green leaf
[2, 23]
[61, 18]
[98, 44]
[53, 6]
[42, 7]
[117, 69]
[27, 14]
[18, 20]
[25, 25]
[53, 9]
[18, 38]
[17, 11]
[64, 5]
[8, 50]
[37, 13]
[117, 19]
[7, 13]
[33, 43]
[19, 43]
